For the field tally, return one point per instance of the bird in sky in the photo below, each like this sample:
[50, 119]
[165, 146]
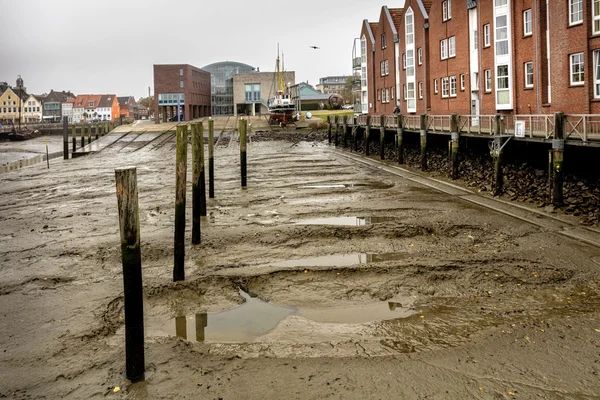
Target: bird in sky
[314, 47]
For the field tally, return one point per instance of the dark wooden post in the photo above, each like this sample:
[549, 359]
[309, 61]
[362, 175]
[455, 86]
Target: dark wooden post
[367, 135]
[82, 135]
[211, 158]
[201, 323]
[382, 138]
[74, 137]
[345, 131]
[89, 133]
[337, 129]
[96, 128]
[65, 137]
[400, 139]
[243, 125]
[329, 129]
[180, 186]
[498, 173]
[558, 148]
[355, 133]
[423, 142]
[197, 169]
[129, 223]
[454, 135]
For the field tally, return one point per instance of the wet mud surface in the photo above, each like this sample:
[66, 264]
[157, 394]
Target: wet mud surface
[324, 279]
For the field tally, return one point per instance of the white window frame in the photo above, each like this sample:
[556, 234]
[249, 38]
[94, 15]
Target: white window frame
[581, 72]
[405, 92]
[420, 54]
[462, 82]
[596, 55]
[528, 75]
[444, 11]
[445, 87]
[575, 16]
[435, 86]
[420, 90]
[475, 39]
[449, 9]
[404, 61]
[488, 80]
[443, 49]
[527, 25]
[411, 76]
[453, 86]
[486, 35]
[451, 46]
[506, 77]
[387, 67]
[595, 17]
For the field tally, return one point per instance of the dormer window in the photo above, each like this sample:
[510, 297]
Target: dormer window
[91, 104]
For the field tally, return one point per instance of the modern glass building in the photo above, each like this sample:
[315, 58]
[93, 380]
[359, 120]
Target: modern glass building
[221, 80]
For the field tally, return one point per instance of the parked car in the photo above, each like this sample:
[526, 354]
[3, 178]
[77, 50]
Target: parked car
[347, 107]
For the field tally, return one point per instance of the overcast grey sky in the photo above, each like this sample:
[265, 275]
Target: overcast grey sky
[109, 46]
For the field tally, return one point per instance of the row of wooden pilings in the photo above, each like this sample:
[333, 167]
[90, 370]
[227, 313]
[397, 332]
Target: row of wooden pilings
[339, 126]
[90, 132]
[127, 199]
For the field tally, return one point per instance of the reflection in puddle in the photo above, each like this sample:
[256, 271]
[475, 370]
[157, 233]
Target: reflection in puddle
[339, 260]
[345, 221]
[255, 318]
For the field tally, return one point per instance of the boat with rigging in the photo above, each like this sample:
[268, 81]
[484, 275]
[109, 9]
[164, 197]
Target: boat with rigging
[282, 108]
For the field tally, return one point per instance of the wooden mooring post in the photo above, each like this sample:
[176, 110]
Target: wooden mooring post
[382, 138]
[82, 135]
[337, 129]
[243, 126]
[454, 141]
[197, 177]
[355, 133]
[89, 133]
[558, 149]
[367, 135]
[329, 129]
[65, 138]
[74, 136]
[211, 158]
[423, 142]
[345, 131]
[180, 189]
[400, 140]
[129, 223]
[497, 184]
[96, 128]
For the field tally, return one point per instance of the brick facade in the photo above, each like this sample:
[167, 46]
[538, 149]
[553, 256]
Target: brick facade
[193, 82]
[548, 88]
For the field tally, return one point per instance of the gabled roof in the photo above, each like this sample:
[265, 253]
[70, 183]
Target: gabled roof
[394, 23]
[106, 101]
[425, 6]
[123, 100]
[83, 100]
[58, 97]
[370, 27]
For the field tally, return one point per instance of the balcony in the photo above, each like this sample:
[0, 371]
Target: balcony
[356, 63]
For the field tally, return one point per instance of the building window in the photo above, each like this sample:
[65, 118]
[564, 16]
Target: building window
[462, 82]
[452, 46]
[410, 63]
[576, 69]
[180, 84]
[383, 41]
[405, 94]
[444, 49]
[502, 88]
[91, 104]
[488, 80]
[252, 92]
[500, 3]
[381, 68]
[404, 61]
[444, 87]
[575, 12]
[527, 29]
[453, 86]
[410, 38]
[363, 50]
[420, 90]
[420, 54]
[392, 92]
[596, 17]
[486, 35]
[180, 71]
[435, 86]
[529, 74]
[597, 74]
[387, 67]
[501, 35]
[475, 39]
[444, 11]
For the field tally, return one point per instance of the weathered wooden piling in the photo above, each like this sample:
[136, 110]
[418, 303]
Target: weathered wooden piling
[329, 129]
[65, 138]
[400, 140]
[558, 148]
[129, 223]
[201, 324]
[89, 133]
[367, 135]
[198, 189]
[345, 131]
[337, 129]
[243, 126]
[423, 142]
[74, 136]
[82, 135]
[454, 141]
[96, 128]
[180, 188]
[355, 133]
[498, 182]
[382, 138]
[211, 158]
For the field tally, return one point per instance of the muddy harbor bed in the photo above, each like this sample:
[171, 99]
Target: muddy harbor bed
[434, 297]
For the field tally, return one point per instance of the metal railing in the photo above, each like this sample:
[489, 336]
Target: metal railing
[582, 127]
[438, 123]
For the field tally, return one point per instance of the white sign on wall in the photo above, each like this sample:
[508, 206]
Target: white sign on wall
[520, 129]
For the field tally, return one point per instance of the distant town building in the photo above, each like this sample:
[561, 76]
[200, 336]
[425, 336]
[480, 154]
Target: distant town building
[52, 104]
[308, 97]
[221, 84]
[126, 107]
[67, 109]
[95, 108]
[32, 110]
[11, 101]
[181, 91]
[332, 84]
[251, 91]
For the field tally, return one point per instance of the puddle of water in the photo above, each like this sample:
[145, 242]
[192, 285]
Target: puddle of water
[345, 221]
[375, 185]
[339, 260]
[255, 318]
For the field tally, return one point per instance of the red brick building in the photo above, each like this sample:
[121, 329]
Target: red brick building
[481, 57]
[181, 87]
